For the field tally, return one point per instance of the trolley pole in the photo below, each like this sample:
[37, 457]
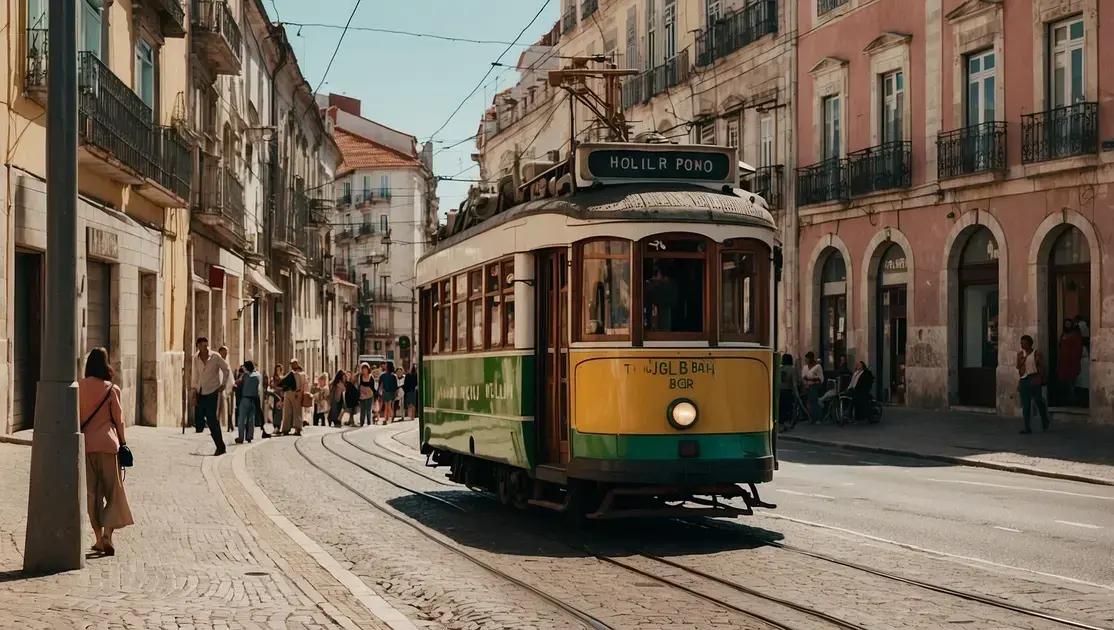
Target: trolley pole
[56, 506]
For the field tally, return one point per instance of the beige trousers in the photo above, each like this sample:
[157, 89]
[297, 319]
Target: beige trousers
[108, 504]
[292, 412]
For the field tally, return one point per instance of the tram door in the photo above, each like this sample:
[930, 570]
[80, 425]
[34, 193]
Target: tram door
[552, 288]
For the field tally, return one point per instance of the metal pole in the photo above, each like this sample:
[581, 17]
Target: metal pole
[56, 504]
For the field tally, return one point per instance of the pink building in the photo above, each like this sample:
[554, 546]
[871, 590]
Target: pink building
[954, 192]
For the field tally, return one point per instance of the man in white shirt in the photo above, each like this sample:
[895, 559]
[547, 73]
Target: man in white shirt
[209, 378]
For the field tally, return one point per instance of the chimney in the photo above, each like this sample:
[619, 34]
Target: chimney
[345, 103]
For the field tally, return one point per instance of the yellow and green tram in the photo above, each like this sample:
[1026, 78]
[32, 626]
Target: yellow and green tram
[606, 346]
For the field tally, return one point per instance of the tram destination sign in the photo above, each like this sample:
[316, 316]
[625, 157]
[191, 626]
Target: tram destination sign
[629, 163]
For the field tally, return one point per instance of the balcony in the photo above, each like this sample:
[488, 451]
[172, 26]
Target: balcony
[171, 170]
[970, 150]
[344, 199]
[289, 225]
[318, 212]
[736, 30]
[1059, 133]
[568, 20]
[220, 204]
[172, 17]
[216, 36]
[34, 76]
[588, 7]
[114, 125]
[768, 181]
[824, 6]
[822, 182]
[881, 167]
[366, 229]
[641, 88]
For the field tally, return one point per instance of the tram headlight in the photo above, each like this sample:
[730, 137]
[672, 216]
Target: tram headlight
[681, 413]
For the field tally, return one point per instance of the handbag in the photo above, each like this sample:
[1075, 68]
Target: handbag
[307, 400]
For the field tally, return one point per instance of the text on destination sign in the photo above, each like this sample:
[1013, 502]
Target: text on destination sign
[635, 164]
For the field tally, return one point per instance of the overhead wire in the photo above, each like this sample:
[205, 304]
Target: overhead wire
[490, 69]
[336, 50]
[391, 31]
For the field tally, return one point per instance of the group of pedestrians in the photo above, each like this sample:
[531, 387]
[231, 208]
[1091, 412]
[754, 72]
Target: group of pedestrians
[809, 382]
[374, 395]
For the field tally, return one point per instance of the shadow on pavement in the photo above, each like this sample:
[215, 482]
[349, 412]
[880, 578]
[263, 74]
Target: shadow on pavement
[489, 526]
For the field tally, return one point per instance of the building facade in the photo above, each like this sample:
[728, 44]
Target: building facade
[386, 206]
[940, 170]
[954, 195]
[205, 173]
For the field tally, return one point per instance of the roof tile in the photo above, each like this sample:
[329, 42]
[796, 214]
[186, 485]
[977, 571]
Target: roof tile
[358, 152]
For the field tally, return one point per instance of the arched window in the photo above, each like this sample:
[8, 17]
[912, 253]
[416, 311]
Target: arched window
[978, 320]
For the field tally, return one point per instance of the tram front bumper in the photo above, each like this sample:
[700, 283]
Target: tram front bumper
[678, 472]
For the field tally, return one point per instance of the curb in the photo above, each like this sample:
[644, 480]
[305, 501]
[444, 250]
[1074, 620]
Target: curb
[974, 463]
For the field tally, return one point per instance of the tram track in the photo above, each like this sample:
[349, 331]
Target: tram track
[937, 588]
[726, 605]
[583, 617]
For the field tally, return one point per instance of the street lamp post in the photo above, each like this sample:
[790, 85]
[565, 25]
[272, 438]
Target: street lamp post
[55, 506]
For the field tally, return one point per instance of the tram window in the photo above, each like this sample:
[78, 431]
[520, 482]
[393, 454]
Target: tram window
[475, 309]
[460, 312]
[494, 306]
[673, 280]
[508, 302]
[446, 318]
[742, 294]
[429, 310]
[605, 292]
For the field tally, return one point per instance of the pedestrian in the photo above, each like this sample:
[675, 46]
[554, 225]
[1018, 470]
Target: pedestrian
[842, 373]
[237, 383]
[367, 388]
[788, 390]
[320, 393]
[262, 404]
[1084, 330]
[336, 399]
[210, 377]
[351, 398]
[813, 377]
[276, 393]
[224, 410]
[251, 384]
[410, 392]
[1030, 371]
[102, 424]
[388, 386]
[1069, 360]
[295, 387]
[862, 380]
[400, 378]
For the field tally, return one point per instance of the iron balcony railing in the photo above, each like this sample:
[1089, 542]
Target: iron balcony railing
[588, 7]
[233, 197]
[35, 76]
[735, 30]
[221, 194]
[973, 149]
[641, 88]
[768, 181]
[367, 229]
[823, 181]
[568, 20]
[344, 199]
[172, 166]
[881, 167]
[113, 118]
[823, 6]
[1059, 133]
[175, 16]
[214, 16]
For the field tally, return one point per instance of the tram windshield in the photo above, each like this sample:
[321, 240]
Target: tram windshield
[673, 286]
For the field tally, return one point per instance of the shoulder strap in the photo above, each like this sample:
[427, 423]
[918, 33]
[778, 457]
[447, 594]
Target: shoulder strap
[103, 401]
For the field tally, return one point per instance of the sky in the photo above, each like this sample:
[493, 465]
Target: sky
[413, 84]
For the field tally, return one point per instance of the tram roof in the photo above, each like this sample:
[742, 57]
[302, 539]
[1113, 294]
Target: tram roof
[674, 203]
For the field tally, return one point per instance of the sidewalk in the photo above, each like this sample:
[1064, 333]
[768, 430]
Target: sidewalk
[202, 554]
[1074, 451]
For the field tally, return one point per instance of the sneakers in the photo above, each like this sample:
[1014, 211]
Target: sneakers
[239, 440]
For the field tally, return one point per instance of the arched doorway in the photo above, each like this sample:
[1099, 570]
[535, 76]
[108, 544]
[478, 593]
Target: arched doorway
[1069, 297]
[890, 325]
[833, 310]
[978, 320]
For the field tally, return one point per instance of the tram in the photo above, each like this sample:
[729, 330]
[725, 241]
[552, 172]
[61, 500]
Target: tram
[599, 340]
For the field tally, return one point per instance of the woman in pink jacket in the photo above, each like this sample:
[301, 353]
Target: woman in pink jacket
[102, 423]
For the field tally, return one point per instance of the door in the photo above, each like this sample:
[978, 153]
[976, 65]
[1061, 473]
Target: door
[28, 337]
[978, 303]
[98, 307]
[553, 355]
[891, 325]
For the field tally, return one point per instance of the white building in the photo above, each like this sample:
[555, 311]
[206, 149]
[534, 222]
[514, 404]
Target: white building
[385, 206]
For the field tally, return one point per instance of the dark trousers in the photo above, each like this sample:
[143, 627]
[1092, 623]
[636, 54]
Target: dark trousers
[1031, 394]
[206, 414]
[785, 406]
[862, 404]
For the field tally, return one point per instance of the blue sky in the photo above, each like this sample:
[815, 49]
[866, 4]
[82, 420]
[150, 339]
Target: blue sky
[413, 83]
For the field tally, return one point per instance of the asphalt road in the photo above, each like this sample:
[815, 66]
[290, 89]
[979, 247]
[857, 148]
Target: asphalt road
[1045, 525]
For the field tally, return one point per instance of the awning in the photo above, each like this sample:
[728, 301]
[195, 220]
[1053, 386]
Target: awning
[261, 280]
